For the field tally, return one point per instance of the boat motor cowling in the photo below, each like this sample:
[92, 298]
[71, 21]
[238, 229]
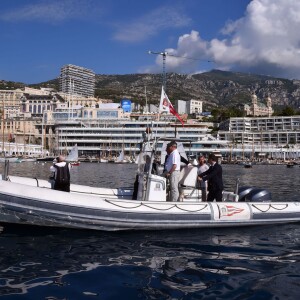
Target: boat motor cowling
[253, 194]
[243, 191]
[259, 195]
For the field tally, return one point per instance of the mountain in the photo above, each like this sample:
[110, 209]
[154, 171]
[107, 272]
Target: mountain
[214, 88]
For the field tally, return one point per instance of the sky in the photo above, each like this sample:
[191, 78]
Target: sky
[38, 37]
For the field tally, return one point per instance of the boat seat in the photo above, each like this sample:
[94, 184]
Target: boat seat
[188, 182]
[188, 176]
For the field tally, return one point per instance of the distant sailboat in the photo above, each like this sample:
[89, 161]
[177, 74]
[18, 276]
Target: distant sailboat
[72, 158]
[121, 158]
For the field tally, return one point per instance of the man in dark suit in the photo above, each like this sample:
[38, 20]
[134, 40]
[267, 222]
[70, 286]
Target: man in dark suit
[215, 180]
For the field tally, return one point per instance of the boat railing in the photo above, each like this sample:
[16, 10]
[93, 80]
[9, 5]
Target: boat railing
[6, 169]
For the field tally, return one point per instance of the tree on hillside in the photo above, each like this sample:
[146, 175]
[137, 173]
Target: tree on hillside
[221, 114]
[286, 111]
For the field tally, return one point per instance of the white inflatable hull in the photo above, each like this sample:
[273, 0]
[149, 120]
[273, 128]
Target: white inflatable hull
[31, 201]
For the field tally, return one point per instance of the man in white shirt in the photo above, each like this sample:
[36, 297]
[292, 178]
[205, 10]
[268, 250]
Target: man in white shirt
[173, 170]
[202, 167]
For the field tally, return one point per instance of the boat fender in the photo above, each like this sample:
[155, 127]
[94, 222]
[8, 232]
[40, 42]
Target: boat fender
[259, 195]
[37, 181]
[243, 191]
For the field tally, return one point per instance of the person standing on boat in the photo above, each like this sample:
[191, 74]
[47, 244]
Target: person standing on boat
[173, 170]
[215, 180]
[61, 170]
[169, 150]
[202, 185]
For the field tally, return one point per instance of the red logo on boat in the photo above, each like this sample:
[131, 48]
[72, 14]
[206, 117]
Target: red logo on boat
[229, 210]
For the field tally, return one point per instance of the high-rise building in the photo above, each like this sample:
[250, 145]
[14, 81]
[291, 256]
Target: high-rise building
[77, 80]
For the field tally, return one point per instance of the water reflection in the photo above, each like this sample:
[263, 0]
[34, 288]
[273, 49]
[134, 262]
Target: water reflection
[152, 263]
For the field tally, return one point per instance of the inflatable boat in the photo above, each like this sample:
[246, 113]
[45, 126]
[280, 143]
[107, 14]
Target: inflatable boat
[32, 201]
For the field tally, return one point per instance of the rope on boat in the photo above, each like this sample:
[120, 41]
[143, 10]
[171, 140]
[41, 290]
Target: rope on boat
[269, 207]
[180, 208]
[155, 208]
[108, 201]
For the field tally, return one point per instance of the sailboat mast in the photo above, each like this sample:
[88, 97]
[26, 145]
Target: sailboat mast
[3, 122]
[72, 92]
[43, 135]
[24, 147]
[69, 96]
[146, 110]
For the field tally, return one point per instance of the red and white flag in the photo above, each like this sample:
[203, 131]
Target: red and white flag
[166, 106]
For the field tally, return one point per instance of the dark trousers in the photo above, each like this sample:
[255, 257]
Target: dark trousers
[135, 187]
[62, 187]
[212, 195]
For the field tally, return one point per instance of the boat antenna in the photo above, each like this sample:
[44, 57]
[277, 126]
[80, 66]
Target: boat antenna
[237, 186]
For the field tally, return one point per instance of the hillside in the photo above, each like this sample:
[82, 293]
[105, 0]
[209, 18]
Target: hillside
[215, 88]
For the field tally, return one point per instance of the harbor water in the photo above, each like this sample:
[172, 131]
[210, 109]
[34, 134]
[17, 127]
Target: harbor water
[237, 263]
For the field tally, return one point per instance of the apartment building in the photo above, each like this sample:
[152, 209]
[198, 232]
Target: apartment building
[77, 80]
[189, 107]
[276, 130]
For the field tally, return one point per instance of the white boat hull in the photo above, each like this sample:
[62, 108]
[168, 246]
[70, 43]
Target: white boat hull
[31, 201]
[10, 159]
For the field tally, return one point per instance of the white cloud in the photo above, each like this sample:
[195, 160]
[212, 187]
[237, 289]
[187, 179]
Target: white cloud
[266, 41]
[150, 24]
[184, 59]
[49, 11]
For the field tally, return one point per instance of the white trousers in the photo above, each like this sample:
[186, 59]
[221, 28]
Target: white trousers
[174, 190]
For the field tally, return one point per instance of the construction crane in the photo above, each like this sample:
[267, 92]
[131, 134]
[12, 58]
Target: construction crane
[164, 77]
[164, 54]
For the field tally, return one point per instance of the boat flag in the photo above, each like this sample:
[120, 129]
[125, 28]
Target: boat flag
[165, 105]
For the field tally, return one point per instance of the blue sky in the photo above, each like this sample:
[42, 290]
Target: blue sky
[114, 36]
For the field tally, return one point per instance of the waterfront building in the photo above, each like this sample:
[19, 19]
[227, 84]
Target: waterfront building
[263, 134]
[276, 130]
[18, 149]
[77, 80]
[108, 130]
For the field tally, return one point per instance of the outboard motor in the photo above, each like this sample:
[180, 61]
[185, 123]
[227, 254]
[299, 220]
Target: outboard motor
[243, 191]
[258, 195]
